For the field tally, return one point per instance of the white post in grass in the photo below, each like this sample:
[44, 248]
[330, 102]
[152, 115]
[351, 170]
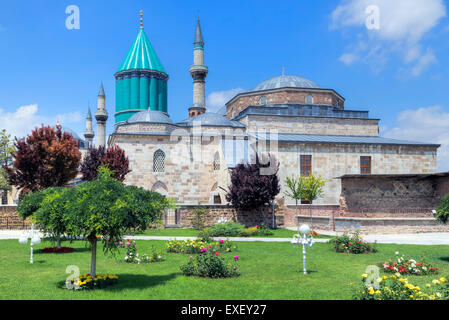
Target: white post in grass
[35, 239]
[304, 238]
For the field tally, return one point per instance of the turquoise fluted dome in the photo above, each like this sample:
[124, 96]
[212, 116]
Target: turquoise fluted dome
[141, 81]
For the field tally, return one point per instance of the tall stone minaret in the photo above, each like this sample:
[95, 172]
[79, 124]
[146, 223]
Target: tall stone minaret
[198, 71]
[101, 115]
[89, 133]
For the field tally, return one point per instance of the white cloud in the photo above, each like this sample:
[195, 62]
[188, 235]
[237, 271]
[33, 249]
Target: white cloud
[402, 26]
[428, 124]
[20, 122]
[348, 58]
[217, 99]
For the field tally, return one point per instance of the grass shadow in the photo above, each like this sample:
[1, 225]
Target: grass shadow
[446, 259]
[140, 281]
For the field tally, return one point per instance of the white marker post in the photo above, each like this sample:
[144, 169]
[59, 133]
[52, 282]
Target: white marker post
[35, 239]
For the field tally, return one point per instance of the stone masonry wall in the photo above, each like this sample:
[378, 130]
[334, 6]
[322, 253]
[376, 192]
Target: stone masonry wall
[324, 97]
[314, 125]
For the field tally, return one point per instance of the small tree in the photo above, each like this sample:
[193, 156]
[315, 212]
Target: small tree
[198, 218]
[114, 158]
[104, 210]
[7, 151]
[249, 188]
[443, 209]
[295, 185]
[48, 208]
[313, 189]
[46, 158]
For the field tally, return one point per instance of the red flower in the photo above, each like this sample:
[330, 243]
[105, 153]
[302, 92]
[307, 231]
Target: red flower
[359, 242]
[216, 253]
[349, 242]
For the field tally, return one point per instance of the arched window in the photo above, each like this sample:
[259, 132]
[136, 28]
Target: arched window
[309, 99]
[159, 161]
[160, 188]
[217, 161]
[263, 100]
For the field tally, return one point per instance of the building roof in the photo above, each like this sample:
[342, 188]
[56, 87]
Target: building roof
[339, 139]
[141, 55]
[302, 110]
[211, 119]
[101, 91]
[397, 175]
[152, 116]
[285, 81]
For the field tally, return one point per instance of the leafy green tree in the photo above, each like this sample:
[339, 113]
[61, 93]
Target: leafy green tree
[443, 209]
[313, 189]
[295, 185]
[199, 217]
[48, 209]
[104, 210]
[7, 151]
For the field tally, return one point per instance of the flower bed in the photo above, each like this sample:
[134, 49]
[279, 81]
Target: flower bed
[57, 250]
[404, 265]
[189, 246]
[133, 257]
[352, 244]
[210, 264]
[394, 287]
[87, 282]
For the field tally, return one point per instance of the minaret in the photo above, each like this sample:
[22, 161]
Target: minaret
[101, 115]
[89, 133]
[198, 71]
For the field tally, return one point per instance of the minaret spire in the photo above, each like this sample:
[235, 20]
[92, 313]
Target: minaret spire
[101, 115]
[89, 133]
[198, 71]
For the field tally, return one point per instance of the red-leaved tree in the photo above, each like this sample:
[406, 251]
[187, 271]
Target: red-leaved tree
[46, 158]
[251, 186]
[114, 158]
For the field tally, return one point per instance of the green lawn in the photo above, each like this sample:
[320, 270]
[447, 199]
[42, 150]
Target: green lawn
[269, 271]
[188, 232]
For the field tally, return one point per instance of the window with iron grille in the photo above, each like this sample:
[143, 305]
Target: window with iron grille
[263, 100]
[309, 99]
[159, 161]
[216, 161]
[217, 199]
[365, 165]
[305, 163]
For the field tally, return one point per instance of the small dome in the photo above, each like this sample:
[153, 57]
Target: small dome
[211, 119]
[150, 116]
[71, 132]
[285, 81]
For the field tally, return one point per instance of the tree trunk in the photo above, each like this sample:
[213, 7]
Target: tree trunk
[311, 220]
[297, 216]
[93, 261]
[58, 241]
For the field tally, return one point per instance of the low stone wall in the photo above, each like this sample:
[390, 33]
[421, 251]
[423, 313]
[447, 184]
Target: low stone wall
[224, 213]
[9, 219]
[289, 212]
[375, 225]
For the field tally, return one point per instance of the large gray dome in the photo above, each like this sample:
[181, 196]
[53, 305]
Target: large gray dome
[285, 81]
[211, 119]
[149, 116]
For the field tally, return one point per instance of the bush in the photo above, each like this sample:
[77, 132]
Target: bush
[227, 229]
[394, 287]
[133, 257]
[189, 246]
[443, 209]
[57, 250]
[352, 244]
[261, 230]
[404, 265]
[198, 218]
[210, 264]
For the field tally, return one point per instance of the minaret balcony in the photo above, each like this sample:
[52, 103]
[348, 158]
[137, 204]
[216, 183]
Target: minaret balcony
[198, 70]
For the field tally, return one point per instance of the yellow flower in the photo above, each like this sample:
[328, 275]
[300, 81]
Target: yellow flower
[428, 285]
[371, 291]
[435, 282]
[411, 296]
[364, 275]
[378, 292]
[443, 280]
[385, 277]
[351, 284]
[379, 280]
[438, 295]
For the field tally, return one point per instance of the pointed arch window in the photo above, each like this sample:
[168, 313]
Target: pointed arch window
[216, 161]
[309, 99]
[159, 161]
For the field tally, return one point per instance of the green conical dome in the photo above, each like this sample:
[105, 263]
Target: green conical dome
[141, 55]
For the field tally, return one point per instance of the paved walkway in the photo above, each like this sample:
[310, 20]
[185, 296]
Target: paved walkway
[441, 238]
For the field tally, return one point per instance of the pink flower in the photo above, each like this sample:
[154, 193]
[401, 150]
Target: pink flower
[236, 257]
[128, 243]
[221, 241]
[190, 257]
[203, 250]
[121, 243]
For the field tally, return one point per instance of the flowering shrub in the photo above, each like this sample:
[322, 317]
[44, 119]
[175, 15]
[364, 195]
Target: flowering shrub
[404, 265]
[394, 287]
[226, 229]
[210, 264]
[352, 244]
[189, 246]
[133, 257]
[87, 282]
[261, 230]
[57, 250]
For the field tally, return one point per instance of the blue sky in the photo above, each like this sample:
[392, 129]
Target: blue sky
[399, 72]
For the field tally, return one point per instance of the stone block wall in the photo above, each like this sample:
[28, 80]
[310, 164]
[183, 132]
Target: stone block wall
[9, 218]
